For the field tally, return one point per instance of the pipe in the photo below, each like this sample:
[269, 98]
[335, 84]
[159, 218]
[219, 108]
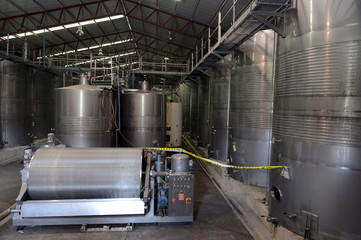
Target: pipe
[144, 85]
[119, 121]
[5, 213]
[83, 79]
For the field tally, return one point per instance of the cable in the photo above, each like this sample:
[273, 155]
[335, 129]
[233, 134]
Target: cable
[131, 144]
[214, 162]
[58, 140]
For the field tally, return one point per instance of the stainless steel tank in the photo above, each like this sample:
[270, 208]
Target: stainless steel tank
[40, 92]
[180, 162]
[85, 173]
[317, 121]
[204, 110]
[184, 93]
[219, 120]
[84, 116]
[143, 119]
[193, 111]
[251, 108]
[174, 124]
[12, 104]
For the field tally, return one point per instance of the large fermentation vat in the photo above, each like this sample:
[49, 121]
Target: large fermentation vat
[40, 91]
[143, 119]
[251, 108]
[12, 97]
[317, 121]
[84, 115]
[174, 124]
[193, 111]
[219, 119]
[204, 108]
[184, 93]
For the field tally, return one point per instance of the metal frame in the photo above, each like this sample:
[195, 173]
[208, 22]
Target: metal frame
[261, 13]
[91, 211]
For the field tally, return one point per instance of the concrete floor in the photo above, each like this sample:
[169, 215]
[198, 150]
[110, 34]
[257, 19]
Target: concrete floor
[9, 183]
[214, 219]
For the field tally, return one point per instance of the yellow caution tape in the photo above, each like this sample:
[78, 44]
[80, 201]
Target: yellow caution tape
[219, 164]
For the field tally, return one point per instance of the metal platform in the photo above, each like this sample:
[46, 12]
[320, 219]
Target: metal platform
[258, 15]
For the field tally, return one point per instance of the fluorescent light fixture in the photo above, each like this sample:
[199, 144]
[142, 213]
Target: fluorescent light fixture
[87, 48]
[116, 17]
[95, 46]
[123, 41]
[6, 37]
[87, 22]
[61, 27]
[100, 59]
[71, 25]
[40, 31]
[21, 34]
[56, 28]
[102, 19]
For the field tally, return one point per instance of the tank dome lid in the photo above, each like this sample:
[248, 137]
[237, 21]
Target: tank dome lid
[84, 85]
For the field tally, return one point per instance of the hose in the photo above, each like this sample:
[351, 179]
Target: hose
[214, 162]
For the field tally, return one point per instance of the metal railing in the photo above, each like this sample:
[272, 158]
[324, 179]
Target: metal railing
[227, 21]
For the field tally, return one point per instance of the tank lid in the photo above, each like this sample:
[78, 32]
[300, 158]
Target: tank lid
[180, 156]
[150, 92]
[144, 85]
[83, 80]
[83, 87]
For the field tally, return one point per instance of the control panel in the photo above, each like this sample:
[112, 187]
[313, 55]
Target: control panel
[181, 195]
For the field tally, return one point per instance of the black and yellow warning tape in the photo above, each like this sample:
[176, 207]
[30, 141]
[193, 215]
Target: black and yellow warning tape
[214, 162]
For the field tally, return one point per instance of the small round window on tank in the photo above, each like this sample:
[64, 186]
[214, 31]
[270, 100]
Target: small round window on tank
[276, 193]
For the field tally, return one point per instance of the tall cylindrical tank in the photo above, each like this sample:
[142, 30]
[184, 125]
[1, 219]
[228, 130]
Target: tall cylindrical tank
[12, 107]
[317, 121]
[143, 119]
[40, 91]
[220, 111]
[251, 108]
[84, 115]
[184, 93]
[174, 124]
[193, 111]
[204, 110]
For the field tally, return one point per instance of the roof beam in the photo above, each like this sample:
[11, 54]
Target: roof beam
[141, 35]
[17, 22]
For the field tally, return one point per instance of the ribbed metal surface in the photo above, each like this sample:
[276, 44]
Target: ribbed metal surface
[174, 124]
[194, 118]
[251, 108]
[317, 120]
[84, 116]
[184, 93]
[328, 66]
[143, 119]
[12, 104]
[83, 173]
[220, 91]
[204, 105]
[40, 94]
